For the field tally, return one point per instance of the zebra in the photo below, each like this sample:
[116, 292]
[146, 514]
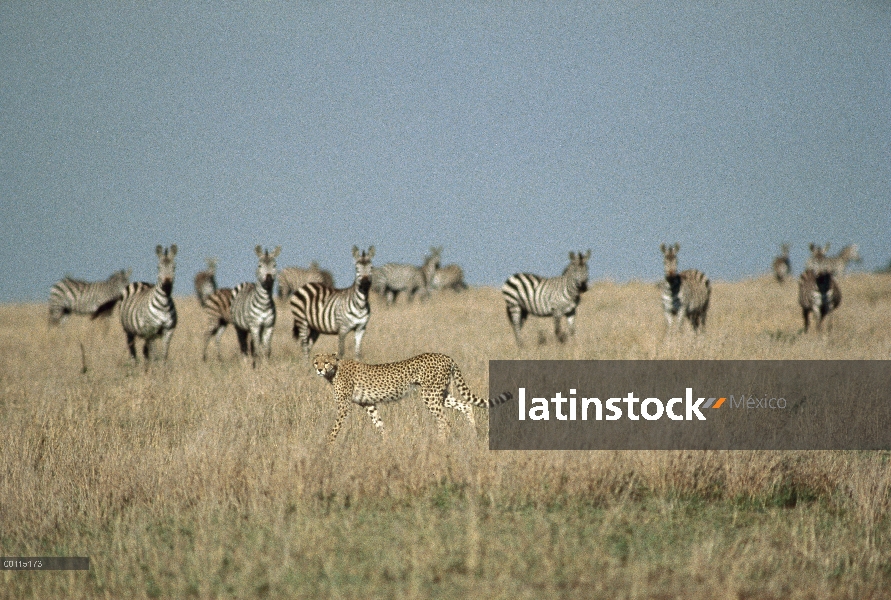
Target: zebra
[818, 296]
[147, 310]
[393, 278]
[320, 309]
[820, 261]
[253, 311]
[525, 294]
[218, 308]
[292, 278]
[74, 296]
[449, 277]
[817, 259]
[684, 294]
[781, 265]
[206, 282]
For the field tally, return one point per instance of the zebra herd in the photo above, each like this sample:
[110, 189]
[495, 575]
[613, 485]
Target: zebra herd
[147, 311]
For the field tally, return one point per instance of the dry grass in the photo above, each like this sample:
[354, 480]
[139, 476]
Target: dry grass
[213, 480]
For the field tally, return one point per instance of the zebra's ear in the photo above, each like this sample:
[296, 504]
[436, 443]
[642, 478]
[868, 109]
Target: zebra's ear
[826, 247]
[129, 274]
[677, 247]
[356, 252]
[159, 250]
[662, 248]
[587, 254]
[571, 256]
[259, 250]
[172, 250]
[276, 252]
[370, 253]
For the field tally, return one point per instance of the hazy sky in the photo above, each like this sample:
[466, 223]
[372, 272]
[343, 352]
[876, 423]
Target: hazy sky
[507, 132]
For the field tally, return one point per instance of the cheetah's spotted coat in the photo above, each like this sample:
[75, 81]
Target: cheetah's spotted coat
[369, 385]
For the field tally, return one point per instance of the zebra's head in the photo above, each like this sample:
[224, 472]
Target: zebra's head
[166, 267]
[850, 253]
[266, 266]
[670, 256]
[120, 279]
[363, 266]
[431, 263]
[577, 270]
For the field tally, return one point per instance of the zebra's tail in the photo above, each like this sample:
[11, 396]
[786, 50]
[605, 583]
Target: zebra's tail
[104, 310]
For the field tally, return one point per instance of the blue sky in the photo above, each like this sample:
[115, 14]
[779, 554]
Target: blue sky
[507, 132]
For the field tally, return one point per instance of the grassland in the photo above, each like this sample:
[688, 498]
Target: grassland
[212, 480]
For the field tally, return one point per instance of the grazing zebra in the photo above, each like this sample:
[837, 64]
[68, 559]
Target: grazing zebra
[253, 311]
[147, 310]
[292, 278]
[820, 261]
[206, 282]
[525, 294]
[782, 268]
[393, 278]
[319, 309]
[218, 307]
[84, 297]
[818, 296]
[684, 294]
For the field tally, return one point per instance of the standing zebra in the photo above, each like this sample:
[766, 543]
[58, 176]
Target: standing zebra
[393, 278]
[206, 282]
[319, 309]
[253, 311]
[820, 261]
[525, 294]
[84, 297]
[147, 310]
[292, 278]
[684, 294]
[818, 296]
[218, 308]
[449, 277]
[817, 260]
[781, 265]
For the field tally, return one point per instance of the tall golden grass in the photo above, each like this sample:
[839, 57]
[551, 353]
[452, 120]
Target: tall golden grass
[214, 480]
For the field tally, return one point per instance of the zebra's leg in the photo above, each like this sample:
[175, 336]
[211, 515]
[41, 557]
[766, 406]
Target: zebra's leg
[217, 338]
[343, 407]
[371, 409]
[256, 345]
[516, 316]
[147, 349]
[307, 339]
[165, 343]
[360, 332]
[131, 345]
[242, 340]
[214, 331]
[806, 313]
[570, 323]
[266, 338]
[558, 331]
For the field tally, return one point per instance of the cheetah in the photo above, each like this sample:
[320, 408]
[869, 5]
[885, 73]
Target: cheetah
[367, 385]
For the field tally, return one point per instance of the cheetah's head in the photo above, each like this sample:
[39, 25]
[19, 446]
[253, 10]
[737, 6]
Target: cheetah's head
[325, 365]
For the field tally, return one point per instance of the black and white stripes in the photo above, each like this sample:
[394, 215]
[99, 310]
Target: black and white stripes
[148, 311]
[684, 294]
[253, 309]
[320, 309]
[525, 294]
[818, 296]
[73, 296]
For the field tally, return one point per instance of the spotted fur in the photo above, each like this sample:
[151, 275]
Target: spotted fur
[369, 385]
